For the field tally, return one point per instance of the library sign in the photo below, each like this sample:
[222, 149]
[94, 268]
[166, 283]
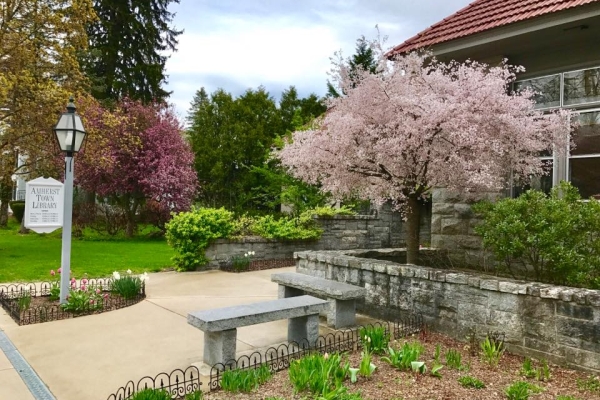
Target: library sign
[44, 203]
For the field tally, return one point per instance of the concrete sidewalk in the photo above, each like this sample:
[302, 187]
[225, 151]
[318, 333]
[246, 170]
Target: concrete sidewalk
[91, 357]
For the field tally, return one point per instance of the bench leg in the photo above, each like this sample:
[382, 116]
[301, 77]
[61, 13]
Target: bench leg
[219, 347]
[342, 313]
[286, 291]
[304, 328]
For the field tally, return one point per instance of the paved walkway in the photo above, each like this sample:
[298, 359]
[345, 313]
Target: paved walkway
[91, 357]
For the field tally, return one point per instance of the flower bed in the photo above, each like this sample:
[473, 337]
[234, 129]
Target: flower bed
[31, 303]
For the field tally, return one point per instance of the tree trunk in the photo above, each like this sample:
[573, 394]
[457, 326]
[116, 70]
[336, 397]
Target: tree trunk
[5, 197]
[412, 229]
[22, 228]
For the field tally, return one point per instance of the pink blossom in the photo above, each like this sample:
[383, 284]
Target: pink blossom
[84, 281]
[52, 272]
[59, 270]
[73, 280]
[98, 291]
[91, 301]
[83, 287]
[105, 296]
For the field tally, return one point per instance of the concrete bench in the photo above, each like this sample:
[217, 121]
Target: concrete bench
[220, 325]
[342, 296]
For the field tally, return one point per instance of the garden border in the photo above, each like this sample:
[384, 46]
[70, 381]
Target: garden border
[176, 389]
[280, 357]
[11, 293]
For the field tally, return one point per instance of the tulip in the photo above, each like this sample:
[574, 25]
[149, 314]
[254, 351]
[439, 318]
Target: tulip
[52, 272]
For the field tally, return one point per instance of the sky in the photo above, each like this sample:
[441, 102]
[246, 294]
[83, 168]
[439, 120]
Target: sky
[236, 45]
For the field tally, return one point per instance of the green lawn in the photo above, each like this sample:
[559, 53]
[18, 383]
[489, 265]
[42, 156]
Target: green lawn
[27, 258]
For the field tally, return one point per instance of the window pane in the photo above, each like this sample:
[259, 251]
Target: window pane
[582, 86]
[543, 183]
[585, 175]
[547, 90]
[587, 136]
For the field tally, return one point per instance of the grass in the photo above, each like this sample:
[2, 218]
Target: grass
[26, 258]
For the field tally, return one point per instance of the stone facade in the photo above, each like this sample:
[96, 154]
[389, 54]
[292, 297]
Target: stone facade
[452, 227]
[384, 229]
[558, 323]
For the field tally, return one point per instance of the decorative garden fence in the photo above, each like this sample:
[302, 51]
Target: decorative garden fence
[19, 301]
[178, 383]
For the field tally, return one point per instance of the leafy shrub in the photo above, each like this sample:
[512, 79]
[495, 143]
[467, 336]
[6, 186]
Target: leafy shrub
[194, 396]
[286, 228]
[83, 299]
[244, 380]
[557, 236]
[151, 394]
[470, 382]
[329, 212]
[366, 366]
[24, 300]
[405, 356]
[374, 339]
[18, 209]
[189, 233]
[541, 372]
[521, 390]
[317, 373]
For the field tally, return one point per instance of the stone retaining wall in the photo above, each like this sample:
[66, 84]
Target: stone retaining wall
[384, 229]
[558, 323]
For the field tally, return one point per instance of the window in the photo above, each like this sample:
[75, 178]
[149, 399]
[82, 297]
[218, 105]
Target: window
[581, 87]
[584, 159]
[547, 90]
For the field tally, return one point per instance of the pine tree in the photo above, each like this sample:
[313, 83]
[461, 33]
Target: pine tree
[363, 60]
[127, 49]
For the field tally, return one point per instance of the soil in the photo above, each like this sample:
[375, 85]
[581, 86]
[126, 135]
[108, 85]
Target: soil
[259, 265]
[393, 384]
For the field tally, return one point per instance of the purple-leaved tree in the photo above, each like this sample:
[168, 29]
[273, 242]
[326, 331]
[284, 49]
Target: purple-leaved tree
[138, 157]
[417, 124]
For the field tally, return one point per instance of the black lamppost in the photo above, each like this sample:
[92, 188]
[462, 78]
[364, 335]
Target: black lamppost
[70, 134]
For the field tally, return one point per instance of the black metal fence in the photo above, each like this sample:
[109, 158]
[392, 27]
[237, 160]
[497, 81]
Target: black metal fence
[20, 301]
[345, 340]
[178, 383]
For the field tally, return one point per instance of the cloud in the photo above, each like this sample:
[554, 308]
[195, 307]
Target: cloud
[236, 45]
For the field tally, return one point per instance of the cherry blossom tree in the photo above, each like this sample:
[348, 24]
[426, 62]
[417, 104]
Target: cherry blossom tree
[137, 157]
[417, 124]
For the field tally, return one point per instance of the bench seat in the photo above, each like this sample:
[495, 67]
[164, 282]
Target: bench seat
[220, 325]
[343, 296]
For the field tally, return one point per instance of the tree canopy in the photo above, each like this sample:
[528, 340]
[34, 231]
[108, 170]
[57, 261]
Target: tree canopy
[128, 45]
[39, 43]
[419, 123]
[232, 140]
[137, 157]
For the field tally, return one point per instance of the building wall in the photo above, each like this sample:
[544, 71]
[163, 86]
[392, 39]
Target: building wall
[557, 323]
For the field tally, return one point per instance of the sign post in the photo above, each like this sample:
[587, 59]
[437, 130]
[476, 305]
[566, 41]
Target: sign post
[44, 205]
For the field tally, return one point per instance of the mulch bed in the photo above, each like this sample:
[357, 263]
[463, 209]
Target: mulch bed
[390, 383]
[259, 265]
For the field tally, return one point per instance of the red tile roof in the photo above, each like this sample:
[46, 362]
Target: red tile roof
[482, 15]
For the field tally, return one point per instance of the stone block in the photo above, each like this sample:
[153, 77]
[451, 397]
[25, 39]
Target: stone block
[304, 328]
[463, 211]
[219, 347]
[457, 278]
[581, 358]
[394, 269]
[342, 314]
[380, 268]
[442, 209]
[436, 224]
[512, 287]
[489, 284]
[473, 313]
[576, 328]
[377, 295]
[593, 298]
[421, 273]
[474, 281]
[570, 310]
[552, 292]
[504, 302]
[454, 226]
[438, 276]
[368, 277]
[407, 271]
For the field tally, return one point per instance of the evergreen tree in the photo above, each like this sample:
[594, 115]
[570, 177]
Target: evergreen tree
[128, 41]
[363, 60]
